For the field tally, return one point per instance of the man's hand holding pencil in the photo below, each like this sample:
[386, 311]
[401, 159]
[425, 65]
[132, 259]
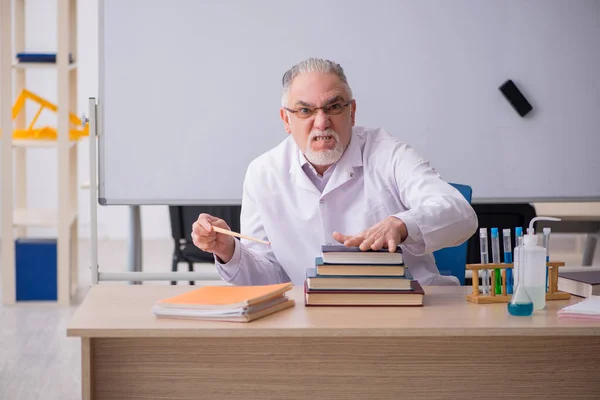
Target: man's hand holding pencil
[213, 235]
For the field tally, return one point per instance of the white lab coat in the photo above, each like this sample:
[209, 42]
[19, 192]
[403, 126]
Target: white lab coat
[377, 176]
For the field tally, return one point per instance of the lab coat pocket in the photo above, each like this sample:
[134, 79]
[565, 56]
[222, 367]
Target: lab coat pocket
[376, 214]
[385, 206]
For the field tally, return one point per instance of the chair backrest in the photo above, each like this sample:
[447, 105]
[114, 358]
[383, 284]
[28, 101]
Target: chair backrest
[501, 216]
[452, 260]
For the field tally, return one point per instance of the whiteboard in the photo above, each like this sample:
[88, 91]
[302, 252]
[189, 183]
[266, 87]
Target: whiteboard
[190, 90]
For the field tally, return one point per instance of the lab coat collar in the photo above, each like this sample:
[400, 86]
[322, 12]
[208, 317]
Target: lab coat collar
[344, 170]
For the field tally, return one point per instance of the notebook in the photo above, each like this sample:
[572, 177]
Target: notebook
[246, 314]
[224, 297]
[226, 303]
[586, 309]
[580, 283]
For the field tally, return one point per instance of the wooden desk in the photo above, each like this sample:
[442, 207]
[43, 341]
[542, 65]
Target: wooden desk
[448, 349]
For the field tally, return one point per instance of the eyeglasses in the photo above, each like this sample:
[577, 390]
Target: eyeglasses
[332, 109]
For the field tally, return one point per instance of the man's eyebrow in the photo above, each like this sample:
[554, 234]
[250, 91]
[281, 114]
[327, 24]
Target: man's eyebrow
[303, 103]
[334, 99]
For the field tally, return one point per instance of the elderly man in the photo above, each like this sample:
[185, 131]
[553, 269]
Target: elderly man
[333, 182]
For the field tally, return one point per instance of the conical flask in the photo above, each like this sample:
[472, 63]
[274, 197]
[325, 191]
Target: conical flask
[520, 303]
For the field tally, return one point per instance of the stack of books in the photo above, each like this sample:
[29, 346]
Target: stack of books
[351, 277]
[226, 303]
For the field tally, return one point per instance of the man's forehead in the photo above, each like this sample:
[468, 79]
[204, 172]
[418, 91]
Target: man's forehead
[315, 86]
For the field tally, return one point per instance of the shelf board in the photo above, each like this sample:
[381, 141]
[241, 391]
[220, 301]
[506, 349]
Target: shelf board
[30, 217]
[41, 65]
[42, 144]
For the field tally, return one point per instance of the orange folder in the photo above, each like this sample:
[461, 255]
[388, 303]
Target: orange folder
[225, 297]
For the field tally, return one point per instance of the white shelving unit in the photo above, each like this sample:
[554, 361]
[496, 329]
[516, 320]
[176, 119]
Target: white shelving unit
[16, 216]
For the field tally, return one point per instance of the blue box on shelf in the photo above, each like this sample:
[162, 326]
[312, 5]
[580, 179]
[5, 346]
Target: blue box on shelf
[36, 270]
[26, 57]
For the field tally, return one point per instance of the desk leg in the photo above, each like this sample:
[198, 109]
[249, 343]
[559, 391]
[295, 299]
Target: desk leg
[87, 372]
[135, 241]
[589, 249]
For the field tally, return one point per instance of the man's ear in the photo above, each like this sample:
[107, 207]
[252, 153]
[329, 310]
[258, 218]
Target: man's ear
[353, 112]
[286, 119]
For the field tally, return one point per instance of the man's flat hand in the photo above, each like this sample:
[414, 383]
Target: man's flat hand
[387, 233]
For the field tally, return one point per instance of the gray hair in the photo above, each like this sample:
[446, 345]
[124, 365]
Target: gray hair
[312, 65]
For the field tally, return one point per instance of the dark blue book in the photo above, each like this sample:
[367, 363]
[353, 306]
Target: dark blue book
[340, 254]
[340, 248]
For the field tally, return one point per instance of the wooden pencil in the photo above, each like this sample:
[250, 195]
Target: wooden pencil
[231, 233]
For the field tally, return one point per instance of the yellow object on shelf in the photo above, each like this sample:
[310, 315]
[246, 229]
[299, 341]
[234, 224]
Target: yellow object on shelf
[46, 132]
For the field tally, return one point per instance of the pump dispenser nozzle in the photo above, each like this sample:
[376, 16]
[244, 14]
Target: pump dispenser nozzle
[531, 231]
[530, 239]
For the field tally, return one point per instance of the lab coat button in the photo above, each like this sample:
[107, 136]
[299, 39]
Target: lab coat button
[351, 174]
[322, 201]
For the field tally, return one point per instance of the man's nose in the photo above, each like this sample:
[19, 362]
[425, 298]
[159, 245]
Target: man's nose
[322, 121]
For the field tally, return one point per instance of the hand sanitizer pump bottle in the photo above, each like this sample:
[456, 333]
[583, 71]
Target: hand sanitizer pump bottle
[534, 263]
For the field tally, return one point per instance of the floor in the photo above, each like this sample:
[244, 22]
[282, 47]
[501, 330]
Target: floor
[38, 361]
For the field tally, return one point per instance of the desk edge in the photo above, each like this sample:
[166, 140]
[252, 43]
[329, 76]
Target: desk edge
[381, 332]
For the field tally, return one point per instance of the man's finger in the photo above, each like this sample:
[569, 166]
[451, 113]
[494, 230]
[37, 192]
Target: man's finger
[209, 245]
[392, 245]
[200, 231]
[218, 222]
[367, 243]
[206, 220]
[378, 244]
[354, 241]
[341, 238]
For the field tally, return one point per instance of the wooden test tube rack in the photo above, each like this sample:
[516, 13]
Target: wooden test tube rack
[475, 297]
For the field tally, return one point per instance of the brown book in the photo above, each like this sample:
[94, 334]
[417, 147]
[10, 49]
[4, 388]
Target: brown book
[580, 283]
[412, 297]
[339, 282]
[358, 269]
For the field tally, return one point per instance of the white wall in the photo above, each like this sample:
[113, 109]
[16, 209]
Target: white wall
[42, 163]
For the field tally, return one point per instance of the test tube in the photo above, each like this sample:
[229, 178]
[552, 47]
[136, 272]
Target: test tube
[546, 245]
[483, 245]
[517, 260]
[496, 260]
[508, 259]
